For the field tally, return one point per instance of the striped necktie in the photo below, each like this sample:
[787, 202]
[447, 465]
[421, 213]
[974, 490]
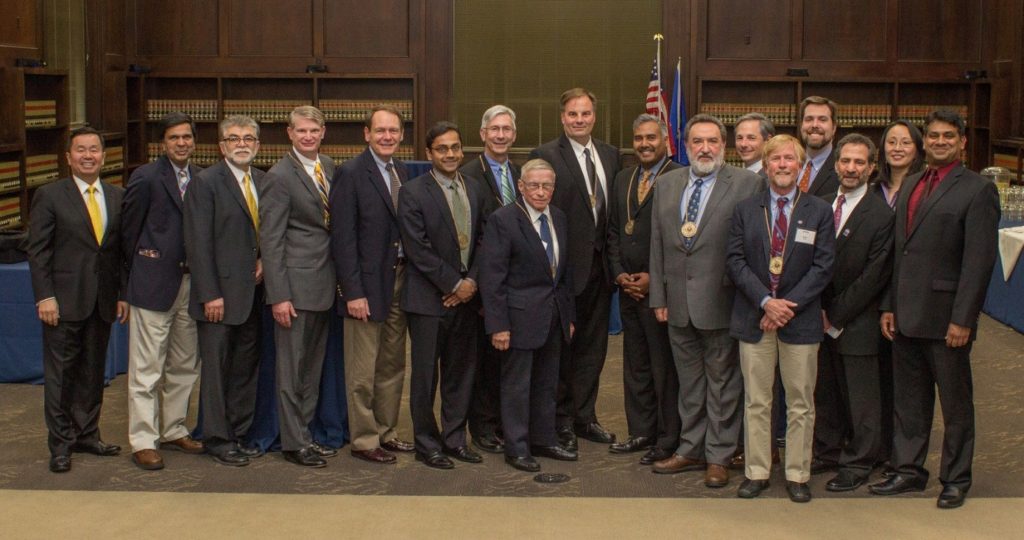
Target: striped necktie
[321, 188]
[507, 193]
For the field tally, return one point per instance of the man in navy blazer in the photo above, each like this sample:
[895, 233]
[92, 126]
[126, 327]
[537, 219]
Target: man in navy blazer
[529, 311]
[780, 255]
[441, 217]
[163, 364]
[369, 262]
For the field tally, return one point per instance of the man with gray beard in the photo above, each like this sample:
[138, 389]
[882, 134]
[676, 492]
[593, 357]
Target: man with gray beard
[691, 292]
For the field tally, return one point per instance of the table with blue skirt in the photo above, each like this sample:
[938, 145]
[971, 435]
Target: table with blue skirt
[1004, 301]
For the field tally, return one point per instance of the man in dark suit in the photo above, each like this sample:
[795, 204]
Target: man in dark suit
[817, 131]
[525, 284]
[221, 243]
[74, 255]
[780, 256]
[370, 267]
[945, 247]
[648, 375]
[584, 169]
[752, 131]
[691, 292]
[296, 246]
[847, 397]
[498, 178]
[163, 364]
[441, 218]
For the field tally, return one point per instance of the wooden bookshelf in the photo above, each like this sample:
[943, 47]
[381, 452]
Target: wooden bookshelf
[344, 98]
[32, 140]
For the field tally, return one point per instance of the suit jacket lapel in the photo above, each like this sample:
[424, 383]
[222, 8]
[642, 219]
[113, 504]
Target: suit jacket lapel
[579, 179]
[795, 222]
[300, 173]
[926, 205]
[377, 180]
[170, 182]
[533, 239]
[854, 220]
[76, 201]
[563, 240]
[723, 183]
[228, 177]
[489, 179]
[766, 238]
[437, 195]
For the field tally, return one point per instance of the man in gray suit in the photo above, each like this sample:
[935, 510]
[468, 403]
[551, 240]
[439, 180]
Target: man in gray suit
[692, 293]
[296, 245]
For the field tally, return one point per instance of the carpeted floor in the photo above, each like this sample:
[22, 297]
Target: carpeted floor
[998, 464]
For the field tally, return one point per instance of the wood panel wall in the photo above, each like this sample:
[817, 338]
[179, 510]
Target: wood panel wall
[21, 30]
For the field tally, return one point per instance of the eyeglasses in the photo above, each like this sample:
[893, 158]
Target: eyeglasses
[534, 186]
[443, 150]
[494, 130]
[234, 140]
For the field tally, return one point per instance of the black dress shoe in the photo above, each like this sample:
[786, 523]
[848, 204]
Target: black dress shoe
[845, 481]
[323, 451]
[59, 464]
[632, 444]
[566, 438]
[798, 492]
[307, 457]
[819, 466]
[951, 497]
[594, 432]
[655, 454]
[251, 452]
[490, 443]
[98, 448]
[751, 488]
[464, 453]
[523, 463]
[398, 445]
[897, 484]
[233, 458]
[435, 460]
[554, 452]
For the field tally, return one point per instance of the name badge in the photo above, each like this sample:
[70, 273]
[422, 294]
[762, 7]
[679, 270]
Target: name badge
[805, 236]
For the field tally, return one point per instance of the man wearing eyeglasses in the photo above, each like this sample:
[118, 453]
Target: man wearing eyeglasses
[222, 246]
[495, 172]
[441, 219]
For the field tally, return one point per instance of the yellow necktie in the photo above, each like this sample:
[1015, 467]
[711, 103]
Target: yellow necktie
[321, 187]
[250, 201]
[94, 215]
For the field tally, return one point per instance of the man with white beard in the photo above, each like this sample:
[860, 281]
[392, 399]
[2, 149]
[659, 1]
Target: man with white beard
[691, 292]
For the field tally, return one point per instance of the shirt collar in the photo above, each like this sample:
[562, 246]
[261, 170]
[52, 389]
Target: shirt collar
[657, 167]
[578, 148]
[239, 173]
[494, 164]
[776, 196]
[83, 185]
[306, 162]
[442, 179]
[535, 215]
[707, 179]
[380, 162]
[819, 160]
[855, 194]
[755, 166]
[177, 170]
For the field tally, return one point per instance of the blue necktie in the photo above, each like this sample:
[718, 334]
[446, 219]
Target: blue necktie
[692, 208]
[549, 245]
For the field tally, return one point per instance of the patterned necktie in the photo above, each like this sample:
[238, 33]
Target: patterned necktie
[250, 201]
[507, 193]
[692, 209]
[462, 226]
[396, 184]
[837, 215]
[595, 185]
[645, 187]
[95, 216]
[805, 180]
[549, 245]
[779, 231]
[321, 188]
[182, 182]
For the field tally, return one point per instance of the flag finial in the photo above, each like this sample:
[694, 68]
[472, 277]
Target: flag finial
[659, 37]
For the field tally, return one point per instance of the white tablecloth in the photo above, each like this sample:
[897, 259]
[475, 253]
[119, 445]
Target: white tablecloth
[1011, 241]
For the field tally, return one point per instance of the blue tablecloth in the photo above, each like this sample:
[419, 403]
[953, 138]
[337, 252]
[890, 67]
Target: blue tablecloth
[21, 333]
[1004, 301]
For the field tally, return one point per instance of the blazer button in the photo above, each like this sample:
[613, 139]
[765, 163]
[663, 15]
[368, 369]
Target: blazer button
[395, 244]
[905, 252]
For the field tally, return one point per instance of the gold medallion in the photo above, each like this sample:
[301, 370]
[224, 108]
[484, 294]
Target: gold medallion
[629, 226]
[593, 201]
[775, 265]
[689, 229]
[463, 241]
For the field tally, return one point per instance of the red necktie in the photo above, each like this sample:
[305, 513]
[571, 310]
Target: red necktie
[920, 193]
[779, 239]
[837, 215]
[805, 180]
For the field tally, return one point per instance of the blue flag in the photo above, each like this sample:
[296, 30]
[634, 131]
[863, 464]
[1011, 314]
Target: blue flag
[677, 118]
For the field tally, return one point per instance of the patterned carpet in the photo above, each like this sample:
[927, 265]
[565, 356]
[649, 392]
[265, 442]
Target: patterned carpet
[998, 359]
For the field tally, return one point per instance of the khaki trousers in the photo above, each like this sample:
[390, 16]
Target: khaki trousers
[798, 366]
[162, 371]
[374, 374]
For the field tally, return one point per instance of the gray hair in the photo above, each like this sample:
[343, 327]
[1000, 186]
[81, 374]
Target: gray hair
[308, 112]
[704, 119]
[644, 118]
[766, 125]
[536, 164]
[497, 110]
[238, 120]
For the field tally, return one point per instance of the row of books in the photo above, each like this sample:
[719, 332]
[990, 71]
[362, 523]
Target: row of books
[783, 114]
[198, 109]
[40, 113]
[10, 212]
[10, 176]
[1008, 161]
[115, 179]
[269, 110]
[863, 115]
[114, 160]
[41, 169]
[916, 114]
[732, 157]
[208, 154]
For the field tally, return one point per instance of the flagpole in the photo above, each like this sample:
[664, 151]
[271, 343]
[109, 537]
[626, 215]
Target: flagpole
[659, 38]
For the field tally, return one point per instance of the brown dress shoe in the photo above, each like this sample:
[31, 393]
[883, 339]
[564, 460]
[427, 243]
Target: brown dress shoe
[377, 455]
[185, 444]
[677, 464]
[148, 460]
[716, 476]
[398, 445]
[738, 461]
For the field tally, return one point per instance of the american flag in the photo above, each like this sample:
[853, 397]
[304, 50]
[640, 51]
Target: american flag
[657, 103]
